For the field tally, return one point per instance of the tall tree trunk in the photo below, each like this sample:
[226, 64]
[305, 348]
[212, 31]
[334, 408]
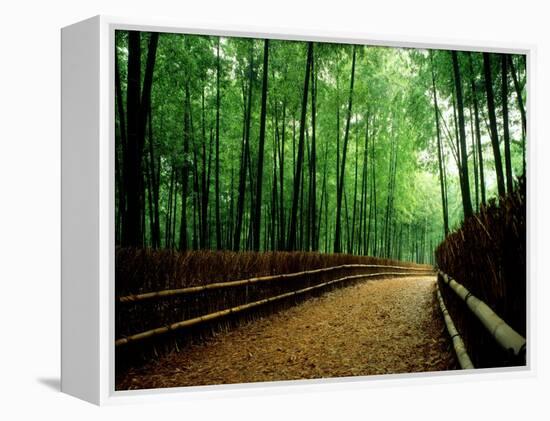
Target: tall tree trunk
[174, 212]
[231, 213]
[167, 230]
[132, 235]
[519, 96]
[313, 162]
[327, 228]
[298, 173]
[300, 237]
[145, 111]
[337, 232]
[465, 180]
[138, 104]
[475, 160]
[259, 179]
[478, 132]
[149, 210]
[337, 133]
[197, 219]
[185, 169]
[439, 154]
[345, 239]
[120, 155]
[457, 135]
[145, 101]
[390, 198]
[519, 99]
[204, 184]
[364, 182]
[351, 246]
[217, 182]
[244, 156]
[505, 127]
[208, 184]
[493, 123]
[274, 187]
[154, 186]
[324, 199]
[362, 204]
[375, 208]
[281, 181]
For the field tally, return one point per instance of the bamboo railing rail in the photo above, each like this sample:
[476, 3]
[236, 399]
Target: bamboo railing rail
[505, 335]
[458, 345]
[222, 313]
[230, 284]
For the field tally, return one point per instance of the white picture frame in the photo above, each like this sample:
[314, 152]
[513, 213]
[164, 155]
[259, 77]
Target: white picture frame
[88, 211]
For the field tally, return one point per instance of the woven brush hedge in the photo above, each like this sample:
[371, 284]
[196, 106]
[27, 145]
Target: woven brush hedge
[139, 271]
[488, 256]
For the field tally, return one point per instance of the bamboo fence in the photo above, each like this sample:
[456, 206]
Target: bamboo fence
[246, 282]
[458, 345]
[505, 336]
[241, 308]
[488, 255]
[139, 271]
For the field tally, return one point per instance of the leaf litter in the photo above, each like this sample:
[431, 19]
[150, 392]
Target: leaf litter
[386, 326]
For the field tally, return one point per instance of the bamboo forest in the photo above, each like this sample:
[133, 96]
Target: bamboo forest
[243, 157]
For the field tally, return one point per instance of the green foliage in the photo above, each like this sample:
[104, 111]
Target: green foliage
[392, 107]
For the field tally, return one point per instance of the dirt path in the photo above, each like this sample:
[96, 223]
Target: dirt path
[376, 327]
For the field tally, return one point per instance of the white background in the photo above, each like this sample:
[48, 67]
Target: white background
[30, 196]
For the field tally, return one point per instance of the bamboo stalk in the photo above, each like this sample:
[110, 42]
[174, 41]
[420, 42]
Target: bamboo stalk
[222, 313]
[505, 335]
[458, 345]
[230, 284]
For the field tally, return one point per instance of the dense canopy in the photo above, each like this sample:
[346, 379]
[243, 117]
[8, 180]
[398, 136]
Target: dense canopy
[251, 144]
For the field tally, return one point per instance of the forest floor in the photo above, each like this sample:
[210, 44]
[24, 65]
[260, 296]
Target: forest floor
[377, 327]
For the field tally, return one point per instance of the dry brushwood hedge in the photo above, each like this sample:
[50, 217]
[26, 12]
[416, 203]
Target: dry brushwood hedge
[139, 271]
[488, 256]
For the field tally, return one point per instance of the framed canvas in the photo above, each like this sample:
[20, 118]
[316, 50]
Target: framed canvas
[249, 208]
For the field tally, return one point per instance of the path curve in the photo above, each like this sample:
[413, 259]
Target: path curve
[377, 327]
